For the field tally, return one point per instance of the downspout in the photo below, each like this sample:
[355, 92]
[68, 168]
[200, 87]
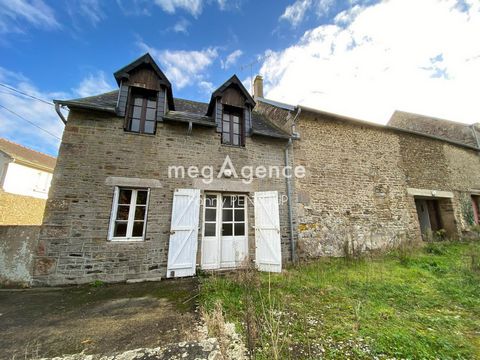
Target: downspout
[474, 131]
[289, 188]
[57, 109]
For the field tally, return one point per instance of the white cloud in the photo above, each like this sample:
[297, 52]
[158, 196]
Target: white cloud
[134, 7]
[93, 84]
[194, 7]
[225, 5]
[298, 11]
[183, 67]
[295, 13]
[181, 26]
[206, 87]
[14, 14]
[222, 4]
[416, 56]
[323, 7]
[231, 59]
[88, 9]
[43, 115]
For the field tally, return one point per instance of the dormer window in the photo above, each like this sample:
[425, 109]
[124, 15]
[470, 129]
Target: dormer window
[232, 126]
[142, 109]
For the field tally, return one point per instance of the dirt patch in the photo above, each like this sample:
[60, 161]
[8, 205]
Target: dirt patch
[97, 320]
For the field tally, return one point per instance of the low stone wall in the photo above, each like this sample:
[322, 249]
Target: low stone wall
[20, 210]
[17, 249]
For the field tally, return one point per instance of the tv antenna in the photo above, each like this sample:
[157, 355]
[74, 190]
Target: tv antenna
[251, 65]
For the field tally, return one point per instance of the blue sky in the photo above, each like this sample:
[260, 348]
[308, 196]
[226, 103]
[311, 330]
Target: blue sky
[357, 58]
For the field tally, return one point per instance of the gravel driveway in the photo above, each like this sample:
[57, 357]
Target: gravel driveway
[102, 320]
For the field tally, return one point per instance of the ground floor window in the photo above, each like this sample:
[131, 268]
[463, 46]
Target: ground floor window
[129, 214]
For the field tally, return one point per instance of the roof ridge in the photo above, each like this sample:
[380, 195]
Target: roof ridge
[94, 96]
[29, 149]
[195, 101]
[430, 117]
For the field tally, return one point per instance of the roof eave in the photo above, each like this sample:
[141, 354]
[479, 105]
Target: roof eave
[387, 127]
[74, 104]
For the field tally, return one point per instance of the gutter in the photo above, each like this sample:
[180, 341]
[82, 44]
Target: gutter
[288, 181]
[57, 109]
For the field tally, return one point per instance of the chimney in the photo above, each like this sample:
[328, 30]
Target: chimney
[258, 87]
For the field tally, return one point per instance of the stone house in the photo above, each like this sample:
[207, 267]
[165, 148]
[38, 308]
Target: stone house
[25, 177]
[133, 195]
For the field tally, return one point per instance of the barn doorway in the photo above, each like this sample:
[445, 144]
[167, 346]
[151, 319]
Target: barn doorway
[429, 217]
[476, 208]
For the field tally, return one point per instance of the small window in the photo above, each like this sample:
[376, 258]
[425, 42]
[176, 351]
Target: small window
[129, 214]
[232, 127]
[142, 112]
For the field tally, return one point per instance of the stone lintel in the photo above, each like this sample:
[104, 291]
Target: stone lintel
[223, 185]
[133, 182]
[430, 193]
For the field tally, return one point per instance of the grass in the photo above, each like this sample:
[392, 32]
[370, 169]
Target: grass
[422, 306]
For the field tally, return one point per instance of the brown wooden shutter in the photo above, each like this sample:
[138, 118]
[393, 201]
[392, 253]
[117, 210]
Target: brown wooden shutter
[161, 104]
[122, 99]
[218, 115]
[126, 111]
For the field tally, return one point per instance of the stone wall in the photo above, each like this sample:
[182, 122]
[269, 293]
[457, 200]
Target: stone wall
[354, 195]
[17, 248]
[73, 244]
[20, 210]
[464, 175]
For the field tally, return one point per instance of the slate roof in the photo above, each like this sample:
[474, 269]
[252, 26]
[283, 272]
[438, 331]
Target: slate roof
[262, 126]
[445, 129]
[27, 156]
[185, 111]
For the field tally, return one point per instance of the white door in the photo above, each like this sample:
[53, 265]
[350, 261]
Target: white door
[233, 241]
[211, 228]
[267, 232]
[182, 248]
[224, 242]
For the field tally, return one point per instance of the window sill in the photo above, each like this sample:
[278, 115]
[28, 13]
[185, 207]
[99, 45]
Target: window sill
[124, 240]
[234, 146]
[138, 134]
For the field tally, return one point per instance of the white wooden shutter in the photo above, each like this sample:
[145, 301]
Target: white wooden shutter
[182, 250]
[267, 232]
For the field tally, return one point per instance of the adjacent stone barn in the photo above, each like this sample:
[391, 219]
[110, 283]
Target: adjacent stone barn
[370, 187]
[148, 185]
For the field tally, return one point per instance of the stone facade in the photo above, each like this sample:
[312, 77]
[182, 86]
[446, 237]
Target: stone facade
[73, 245]
[355, 195]
[363, 183]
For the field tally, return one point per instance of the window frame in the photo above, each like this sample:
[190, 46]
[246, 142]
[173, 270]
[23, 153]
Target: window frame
[131, 215]
[232, 112]
[145, 94]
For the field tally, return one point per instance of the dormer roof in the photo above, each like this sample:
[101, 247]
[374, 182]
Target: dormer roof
[146, 60]
[234, 81]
